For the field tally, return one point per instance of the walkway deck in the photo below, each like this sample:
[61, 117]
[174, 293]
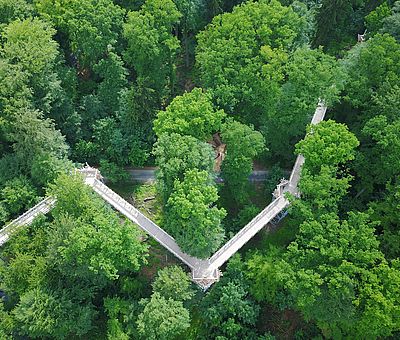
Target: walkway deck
[204, 272]
[43, 207]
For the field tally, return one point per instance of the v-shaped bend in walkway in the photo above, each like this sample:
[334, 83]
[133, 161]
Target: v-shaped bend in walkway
[204, 272]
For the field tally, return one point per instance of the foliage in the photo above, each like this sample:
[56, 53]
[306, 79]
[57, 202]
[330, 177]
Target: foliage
[43, 313]
[310, 75]
[391, 23]
[89, 244]
[151, 46]
[275, 174]
[378, 163]
[11, 10]
[387, 212]
[113, 172]
[95, 77]
[337, 21]
[176, 154]
[121, 315]
[327, 279]
[191, 114]
[29, 44]
[243, 145]
[191, 217]
[246, 49]
[374, 20]
[327, 143]
[229, 311]
[162, 317]
[369, 78]
[91, 27]
[17, 195]
[172, 282]
[244, 216]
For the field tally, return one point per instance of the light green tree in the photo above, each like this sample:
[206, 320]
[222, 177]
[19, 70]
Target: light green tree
[240, 56]
[88, 241]
[190, 114]
[176, 154]
[191, 216]
[327, 143]
[91, 27]
[162, 318]
[29, 44]
[172, 282]
[243, 144]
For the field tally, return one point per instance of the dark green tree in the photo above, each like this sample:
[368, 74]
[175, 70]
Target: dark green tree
[14, 9]
[152, 47]
[42, 313]
[229, 310]
[310, 75]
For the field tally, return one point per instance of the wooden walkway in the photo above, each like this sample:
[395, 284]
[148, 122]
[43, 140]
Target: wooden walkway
[204, 272]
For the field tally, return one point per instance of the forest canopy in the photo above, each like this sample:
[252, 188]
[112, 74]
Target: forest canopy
[211, 101]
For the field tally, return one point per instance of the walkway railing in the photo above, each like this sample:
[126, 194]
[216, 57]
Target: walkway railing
[246, 233]
[263, 218]
[43, 207]
[205, 272]
[145, 223]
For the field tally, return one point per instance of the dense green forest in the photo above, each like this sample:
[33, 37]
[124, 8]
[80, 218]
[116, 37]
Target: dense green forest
[155, 83]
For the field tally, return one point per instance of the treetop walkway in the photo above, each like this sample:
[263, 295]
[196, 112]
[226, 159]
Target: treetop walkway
[204, 272]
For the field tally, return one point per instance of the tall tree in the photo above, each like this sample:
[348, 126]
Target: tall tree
[377, 162]
[243, 144]
[162, 318]
[191, 216]
[14, 9]
[151, 46]
[327, 143]
[172, 282]
[328, 273]
[240, 56]
[44, 313]
[193, 18]
[338, 21]
[391, 24]
[310, 75]
[369, 78]
[229, 310]
[191, 114]
[88, 242]
[91, 27]
[176, 154]
[29, 44]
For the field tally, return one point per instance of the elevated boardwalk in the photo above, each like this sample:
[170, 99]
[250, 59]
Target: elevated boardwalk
[43, 207]
[204, 272]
